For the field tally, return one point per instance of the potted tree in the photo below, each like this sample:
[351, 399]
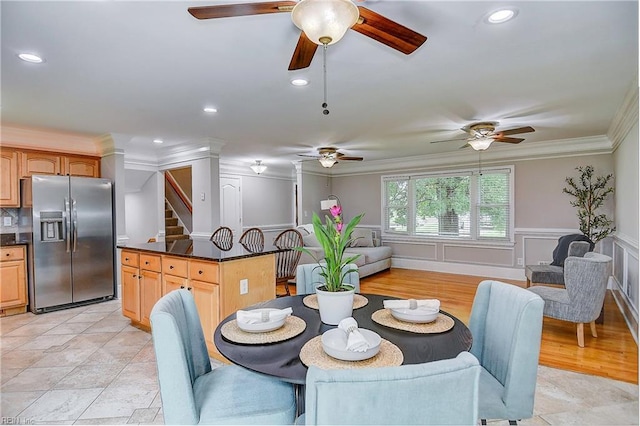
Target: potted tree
[335, 299]
[590, 193]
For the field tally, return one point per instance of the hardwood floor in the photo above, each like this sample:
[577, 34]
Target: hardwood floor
[613, 354]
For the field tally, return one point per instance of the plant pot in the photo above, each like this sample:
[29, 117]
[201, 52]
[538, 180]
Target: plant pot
[335, 306]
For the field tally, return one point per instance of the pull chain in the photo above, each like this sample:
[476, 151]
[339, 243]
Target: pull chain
[479, 164]
[325, 111]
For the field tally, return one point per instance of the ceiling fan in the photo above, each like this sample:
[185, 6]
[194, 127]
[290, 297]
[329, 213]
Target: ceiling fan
[305, 13]
[328, 156]
[483, 134]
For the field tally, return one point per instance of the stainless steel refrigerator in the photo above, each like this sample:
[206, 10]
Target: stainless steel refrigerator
[73, 244]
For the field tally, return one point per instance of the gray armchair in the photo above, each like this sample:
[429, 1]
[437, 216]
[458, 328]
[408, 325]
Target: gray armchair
[193, 393]
[585, 281]
[506, 324]
[434, 393]
[575, 245]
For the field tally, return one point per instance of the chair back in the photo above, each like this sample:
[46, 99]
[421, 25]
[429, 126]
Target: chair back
[222, 235]
[579, 248]
[287, 261]
[506, 325]
[586, 279]
[308, 277]
[433, 393]
[253, 239]
[181, 355]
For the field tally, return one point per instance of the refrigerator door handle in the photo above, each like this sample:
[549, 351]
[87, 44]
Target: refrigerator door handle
[75, 225]
[67, 231]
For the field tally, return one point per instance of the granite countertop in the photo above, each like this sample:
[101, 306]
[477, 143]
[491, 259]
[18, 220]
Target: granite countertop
[205, 250]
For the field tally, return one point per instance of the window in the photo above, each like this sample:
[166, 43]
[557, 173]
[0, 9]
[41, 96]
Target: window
[460, 205]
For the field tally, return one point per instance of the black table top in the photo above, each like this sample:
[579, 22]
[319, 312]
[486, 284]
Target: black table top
[281, 359]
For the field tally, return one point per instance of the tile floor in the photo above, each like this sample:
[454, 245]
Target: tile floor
[87, 365]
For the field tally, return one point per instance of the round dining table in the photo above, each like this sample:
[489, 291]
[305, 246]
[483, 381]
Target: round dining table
[281, 359]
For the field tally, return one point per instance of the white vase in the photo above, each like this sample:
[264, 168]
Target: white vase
[335, 306]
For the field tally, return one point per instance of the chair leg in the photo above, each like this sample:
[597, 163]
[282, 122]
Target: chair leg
[483, 422]
[580, 333]
[593, 329]
[286, 288]
[513, 422]
[528, 283]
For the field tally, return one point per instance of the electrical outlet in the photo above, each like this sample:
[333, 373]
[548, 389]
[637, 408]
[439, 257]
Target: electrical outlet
[6, 221]
[520, 262]
[244, 286]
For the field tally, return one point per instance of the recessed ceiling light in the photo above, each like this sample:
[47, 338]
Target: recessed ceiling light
[30, 57]
[500, 16]
[299, 82]
[158, 141]
[209, 110]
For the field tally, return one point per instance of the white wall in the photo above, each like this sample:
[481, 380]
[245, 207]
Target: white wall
[141, 217]
[267, 201]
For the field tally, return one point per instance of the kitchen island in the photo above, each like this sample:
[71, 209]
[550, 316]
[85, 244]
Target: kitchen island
[221, 279]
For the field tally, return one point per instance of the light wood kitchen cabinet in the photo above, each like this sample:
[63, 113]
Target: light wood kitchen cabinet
[81, 166]
[13, 280]
[150, 286]
[39, 163]
[49, 163]
[130, 273]
[9, 189]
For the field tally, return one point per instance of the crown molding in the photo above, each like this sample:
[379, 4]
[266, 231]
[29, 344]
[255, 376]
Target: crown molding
[45, 139]
[533, 151]
[626, 116]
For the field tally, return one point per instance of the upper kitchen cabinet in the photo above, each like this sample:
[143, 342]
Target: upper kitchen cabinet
[44, 163]
[40, 163]
[81, 166]
[9, 190]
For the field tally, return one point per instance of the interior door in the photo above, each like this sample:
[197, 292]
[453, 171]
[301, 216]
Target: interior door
[231, 205]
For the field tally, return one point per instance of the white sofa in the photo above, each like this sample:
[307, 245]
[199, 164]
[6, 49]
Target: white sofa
[374, 257]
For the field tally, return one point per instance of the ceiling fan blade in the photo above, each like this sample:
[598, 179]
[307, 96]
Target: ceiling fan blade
[302, 56]
[344, 157]
[505, 139]
[388, 32]
[527, 129]
[450, 140]
[309, 156]
[466, 145]
[242, 9]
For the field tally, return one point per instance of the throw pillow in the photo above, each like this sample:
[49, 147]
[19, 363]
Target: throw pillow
[311, 241]
[562, 249]
[361, 238]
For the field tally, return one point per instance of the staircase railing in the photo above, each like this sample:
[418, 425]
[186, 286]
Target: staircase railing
[179, 201]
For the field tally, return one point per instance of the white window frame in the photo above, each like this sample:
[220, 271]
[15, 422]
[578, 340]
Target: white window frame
[410, 234]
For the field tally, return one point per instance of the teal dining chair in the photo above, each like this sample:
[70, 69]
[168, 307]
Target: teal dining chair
[433, 393]
[506, 325]
[308, 277]
[193, 393]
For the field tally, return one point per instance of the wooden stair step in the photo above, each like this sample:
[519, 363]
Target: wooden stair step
[170, 221]
[173, 230]
[168, 213]
[176, 237]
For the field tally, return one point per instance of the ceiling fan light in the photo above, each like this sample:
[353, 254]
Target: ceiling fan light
[480, 144]
[327, 162]
[258, 167]
[325, 19]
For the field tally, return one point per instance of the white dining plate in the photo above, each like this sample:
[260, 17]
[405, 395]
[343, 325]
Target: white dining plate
[262, 327]
[415, 315]
[334, 343]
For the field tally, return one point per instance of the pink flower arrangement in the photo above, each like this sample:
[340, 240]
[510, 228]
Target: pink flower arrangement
[334, 242]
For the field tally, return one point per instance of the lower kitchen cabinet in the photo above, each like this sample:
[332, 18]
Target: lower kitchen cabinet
[13, 280]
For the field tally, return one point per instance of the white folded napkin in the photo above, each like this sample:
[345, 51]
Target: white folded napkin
[355, 340]
[424, 304]
[255, 317]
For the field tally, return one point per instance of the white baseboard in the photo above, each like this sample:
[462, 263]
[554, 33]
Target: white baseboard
[460, 268]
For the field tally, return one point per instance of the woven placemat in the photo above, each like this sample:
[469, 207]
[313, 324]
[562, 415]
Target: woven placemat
[313, 354]
[441, 324]
[311, 301]
[291, 328]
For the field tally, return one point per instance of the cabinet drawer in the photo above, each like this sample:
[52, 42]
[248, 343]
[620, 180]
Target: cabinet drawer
[174, 266]
[129, 258]
[203, 271]
[150, 263]
[11, 253]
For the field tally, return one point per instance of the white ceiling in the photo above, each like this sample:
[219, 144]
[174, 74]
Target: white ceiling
[147, 68]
